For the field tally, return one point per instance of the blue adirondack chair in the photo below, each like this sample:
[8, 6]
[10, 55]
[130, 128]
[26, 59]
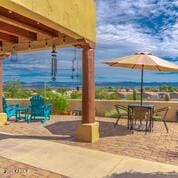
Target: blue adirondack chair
[9, 108]
[39, 110]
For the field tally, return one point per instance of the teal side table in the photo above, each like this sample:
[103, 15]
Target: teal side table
[22, 114]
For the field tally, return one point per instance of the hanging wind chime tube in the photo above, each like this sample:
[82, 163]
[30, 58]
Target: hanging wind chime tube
[73, 65]
[75, 70]
[53, 63]
[77, 76]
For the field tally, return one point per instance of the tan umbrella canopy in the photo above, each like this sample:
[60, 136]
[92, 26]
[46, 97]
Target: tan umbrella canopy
[143, 61]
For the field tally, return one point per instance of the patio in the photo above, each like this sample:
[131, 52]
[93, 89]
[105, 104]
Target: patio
[26, 26]
[156, 146]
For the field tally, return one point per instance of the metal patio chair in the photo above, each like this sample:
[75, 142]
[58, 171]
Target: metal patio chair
[157, 116]
[122, 112]
[141, 114]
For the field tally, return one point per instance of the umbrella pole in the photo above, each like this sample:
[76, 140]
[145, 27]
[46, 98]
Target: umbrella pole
[142, 85]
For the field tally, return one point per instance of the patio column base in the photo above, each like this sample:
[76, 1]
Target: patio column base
[88, 132]
[3, 118]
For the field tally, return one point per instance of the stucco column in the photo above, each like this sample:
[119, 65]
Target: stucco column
[88, 88]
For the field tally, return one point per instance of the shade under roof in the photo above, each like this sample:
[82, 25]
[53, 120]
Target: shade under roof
[37, 24]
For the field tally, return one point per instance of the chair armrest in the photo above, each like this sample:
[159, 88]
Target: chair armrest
[49, 106]
[164, 110]
[121, 110]
[10, 109]
[13, 105]
[118, 106]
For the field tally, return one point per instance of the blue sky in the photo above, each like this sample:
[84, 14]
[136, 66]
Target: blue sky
[123, 28]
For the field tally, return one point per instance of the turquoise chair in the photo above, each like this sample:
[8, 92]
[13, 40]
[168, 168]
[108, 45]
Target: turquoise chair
[9, 108]
[39, 110]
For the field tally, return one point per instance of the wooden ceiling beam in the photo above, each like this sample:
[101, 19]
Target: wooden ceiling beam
[9, 38]
[27, 22]
[37, 45]
[24, 26]
[17, 31]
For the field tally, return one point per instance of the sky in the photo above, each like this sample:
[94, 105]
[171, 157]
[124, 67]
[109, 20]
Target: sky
[123, 28]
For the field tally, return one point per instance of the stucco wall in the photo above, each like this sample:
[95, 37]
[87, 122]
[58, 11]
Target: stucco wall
[78, 16]
[106, 105]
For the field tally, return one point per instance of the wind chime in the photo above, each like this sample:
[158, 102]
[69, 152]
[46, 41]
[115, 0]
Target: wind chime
[77, 75]
[73, 65]
[53, 63]
[75, 69]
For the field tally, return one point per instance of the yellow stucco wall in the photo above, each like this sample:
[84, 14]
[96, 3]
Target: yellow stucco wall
[79, 16]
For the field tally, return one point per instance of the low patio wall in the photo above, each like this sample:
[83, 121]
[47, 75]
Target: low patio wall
[106, 105]
[103, 106]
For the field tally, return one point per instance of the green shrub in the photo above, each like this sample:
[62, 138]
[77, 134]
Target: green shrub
[130, 97]
[14, 89]
[134, 94]
[76, 95]
[112, 113]
[59, 103]
[63, 103]
[113, 96]
[101, 93]
[167, 88]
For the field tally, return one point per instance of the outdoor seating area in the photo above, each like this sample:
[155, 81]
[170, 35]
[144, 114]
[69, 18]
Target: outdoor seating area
[66, 110]
[37, 110]
[157, 146]
[144, 112]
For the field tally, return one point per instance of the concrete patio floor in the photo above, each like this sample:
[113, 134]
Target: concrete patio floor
[77, 162]
[156, 146]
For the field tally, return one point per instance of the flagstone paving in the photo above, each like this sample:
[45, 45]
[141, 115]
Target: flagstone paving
[156, 146]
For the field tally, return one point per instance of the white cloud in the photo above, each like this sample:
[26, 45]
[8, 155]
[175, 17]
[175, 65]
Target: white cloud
[127, 26]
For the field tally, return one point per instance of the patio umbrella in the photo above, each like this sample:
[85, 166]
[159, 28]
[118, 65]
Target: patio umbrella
[143, 61]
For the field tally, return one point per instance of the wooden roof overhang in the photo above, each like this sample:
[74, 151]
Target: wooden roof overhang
[24, 25]
[40, 24]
